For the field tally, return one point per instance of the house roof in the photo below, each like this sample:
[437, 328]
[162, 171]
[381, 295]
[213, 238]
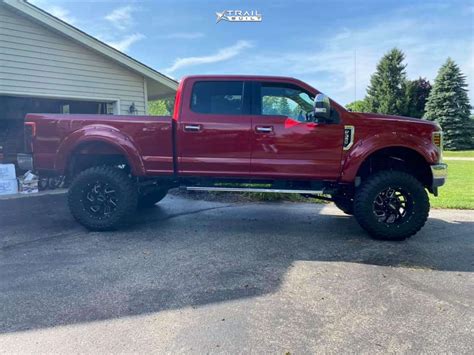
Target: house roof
[158, 85]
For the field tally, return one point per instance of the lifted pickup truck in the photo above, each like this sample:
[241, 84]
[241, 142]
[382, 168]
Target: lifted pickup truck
[245, 133]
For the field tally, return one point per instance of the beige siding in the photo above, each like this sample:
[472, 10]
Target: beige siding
[35, 60]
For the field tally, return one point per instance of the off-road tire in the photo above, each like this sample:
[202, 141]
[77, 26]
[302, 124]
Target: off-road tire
[125, 190]
[345, 204]
[364, 201]
[150, 199]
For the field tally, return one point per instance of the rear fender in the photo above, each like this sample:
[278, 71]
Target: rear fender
[104, 134]
[367, 146]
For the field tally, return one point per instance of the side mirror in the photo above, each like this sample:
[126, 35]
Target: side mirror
[322, 108]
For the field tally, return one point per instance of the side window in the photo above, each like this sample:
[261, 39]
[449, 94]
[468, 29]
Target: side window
[286, 100]
[218, 97]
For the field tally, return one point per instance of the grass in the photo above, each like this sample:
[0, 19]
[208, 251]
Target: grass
[458, 192]
[459, 154]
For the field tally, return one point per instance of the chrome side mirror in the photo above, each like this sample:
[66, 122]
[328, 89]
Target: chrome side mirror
[322, 107]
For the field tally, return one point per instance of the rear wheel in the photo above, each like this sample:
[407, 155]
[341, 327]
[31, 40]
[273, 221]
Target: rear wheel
[102, 198]
[150, 199]
[391, 205]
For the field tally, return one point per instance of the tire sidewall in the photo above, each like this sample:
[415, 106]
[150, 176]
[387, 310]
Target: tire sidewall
[363, 207]
[125, 193]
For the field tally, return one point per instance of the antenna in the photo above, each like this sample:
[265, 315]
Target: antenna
[355, 75]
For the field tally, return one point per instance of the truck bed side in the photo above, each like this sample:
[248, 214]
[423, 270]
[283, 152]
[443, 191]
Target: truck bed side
[145, 141]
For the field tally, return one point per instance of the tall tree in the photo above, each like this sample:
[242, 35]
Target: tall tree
[448, 104]
[417, 92]
[386, 92]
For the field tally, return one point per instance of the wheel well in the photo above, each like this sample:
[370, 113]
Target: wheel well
[91, 154]
[397, 158]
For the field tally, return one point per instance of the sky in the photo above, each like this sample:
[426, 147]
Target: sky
[332, 45]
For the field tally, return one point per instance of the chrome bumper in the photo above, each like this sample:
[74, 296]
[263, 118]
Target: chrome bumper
[440, 174]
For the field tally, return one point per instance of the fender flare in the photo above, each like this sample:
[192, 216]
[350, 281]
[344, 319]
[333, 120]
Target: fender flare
[100, 133]
[367, 146]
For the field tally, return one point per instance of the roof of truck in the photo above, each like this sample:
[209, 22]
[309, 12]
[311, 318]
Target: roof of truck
[241, 77]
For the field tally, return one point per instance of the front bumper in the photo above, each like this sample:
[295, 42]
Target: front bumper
[440, 174]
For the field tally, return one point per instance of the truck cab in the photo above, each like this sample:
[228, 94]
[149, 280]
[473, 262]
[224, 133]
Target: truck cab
[246, 133]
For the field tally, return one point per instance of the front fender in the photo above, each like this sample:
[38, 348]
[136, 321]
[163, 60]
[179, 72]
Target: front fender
[369, 145]
[100, 133]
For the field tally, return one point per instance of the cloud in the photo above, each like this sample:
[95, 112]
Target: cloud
[124, 44]
[183, 35]
[121, 17]
[342, 65]
[56, 11]
[221, 55]
[62, 14]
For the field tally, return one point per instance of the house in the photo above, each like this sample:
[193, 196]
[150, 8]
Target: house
[49, 66]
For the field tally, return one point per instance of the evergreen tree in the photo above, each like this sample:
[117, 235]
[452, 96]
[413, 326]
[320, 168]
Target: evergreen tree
[417, 92]
[448, 104]
[386, 92]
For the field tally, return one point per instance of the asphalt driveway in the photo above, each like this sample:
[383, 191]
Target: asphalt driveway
[197, 276]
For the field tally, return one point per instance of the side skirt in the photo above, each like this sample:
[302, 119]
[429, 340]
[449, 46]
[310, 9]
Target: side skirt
[250, 189]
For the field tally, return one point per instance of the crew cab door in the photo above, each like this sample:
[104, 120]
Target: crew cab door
[213, 129]
[286, 142]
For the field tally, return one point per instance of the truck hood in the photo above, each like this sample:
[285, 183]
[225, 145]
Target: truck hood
[397, 119]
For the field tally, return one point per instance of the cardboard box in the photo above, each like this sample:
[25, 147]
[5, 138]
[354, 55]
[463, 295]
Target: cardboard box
[8, 187]
[28, 187]
[28, 183]
[7, 172]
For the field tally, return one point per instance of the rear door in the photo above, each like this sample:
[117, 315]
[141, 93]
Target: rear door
[214, 129]
[286, 142]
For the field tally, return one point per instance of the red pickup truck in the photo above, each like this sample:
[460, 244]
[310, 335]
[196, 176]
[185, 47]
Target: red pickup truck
[245, 133]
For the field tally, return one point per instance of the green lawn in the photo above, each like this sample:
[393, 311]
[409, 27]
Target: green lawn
[459, 154]
[458, 192]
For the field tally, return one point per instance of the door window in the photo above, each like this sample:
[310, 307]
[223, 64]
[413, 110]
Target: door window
[286, 100]
[218, 97]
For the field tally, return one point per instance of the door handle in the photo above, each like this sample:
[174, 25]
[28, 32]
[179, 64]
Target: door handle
[192, 127]
[264, 129]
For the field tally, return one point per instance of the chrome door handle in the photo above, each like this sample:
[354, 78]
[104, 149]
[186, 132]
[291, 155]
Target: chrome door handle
[192, 127]
[266, 129]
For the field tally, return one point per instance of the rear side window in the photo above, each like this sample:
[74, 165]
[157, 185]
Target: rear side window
[218, 97]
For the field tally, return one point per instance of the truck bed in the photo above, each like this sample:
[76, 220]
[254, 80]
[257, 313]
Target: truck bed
[57, 135]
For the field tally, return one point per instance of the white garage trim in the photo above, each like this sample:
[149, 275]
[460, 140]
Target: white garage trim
[115, 101]
[145, 90]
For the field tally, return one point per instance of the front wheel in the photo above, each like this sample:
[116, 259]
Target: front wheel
[102, 198]
[391, 205]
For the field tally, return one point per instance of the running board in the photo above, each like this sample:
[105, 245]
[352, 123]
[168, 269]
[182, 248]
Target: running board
[252, 189]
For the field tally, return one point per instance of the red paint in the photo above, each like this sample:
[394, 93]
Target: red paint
[230, 145]
[295, 150]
